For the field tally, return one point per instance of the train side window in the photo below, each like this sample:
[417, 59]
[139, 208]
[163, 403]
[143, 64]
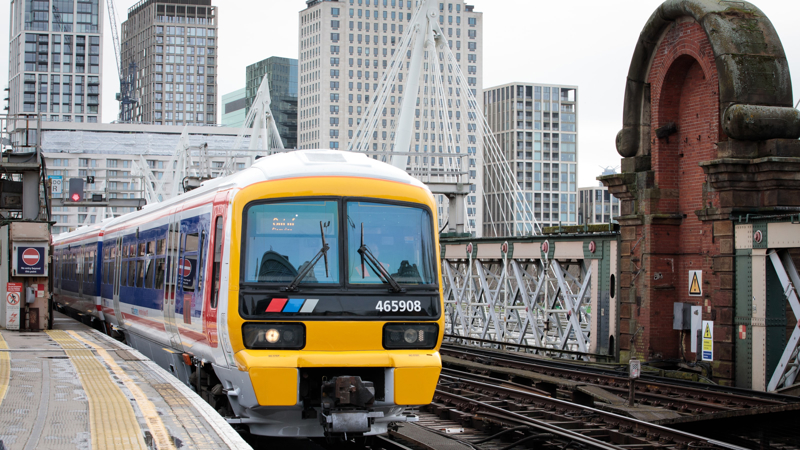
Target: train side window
[140, 272]
[132, 250]
[217, 262]
[114, 252]
[160, 273]
[124, 251]
[191, 242]
[124, 273]
[90, 260]
[151, 265]
[151, 247]
[142, 249]
[132, 273]
[161, 247]
[105, 272]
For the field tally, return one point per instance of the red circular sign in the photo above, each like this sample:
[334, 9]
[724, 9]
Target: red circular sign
[504, 247]
[758, 237]
[592, 247]
[185, 267]
[30, 256]
[545, 247]
[469, 249]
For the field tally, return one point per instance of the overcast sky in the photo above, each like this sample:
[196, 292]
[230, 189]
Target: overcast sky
[579, 42]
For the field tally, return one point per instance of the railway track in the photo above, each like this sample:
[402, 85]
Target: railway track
[589, 385]
[487, 416]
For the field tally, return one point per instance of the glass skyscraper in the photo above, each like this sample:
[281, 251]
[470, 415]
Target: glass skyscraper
[282, 77]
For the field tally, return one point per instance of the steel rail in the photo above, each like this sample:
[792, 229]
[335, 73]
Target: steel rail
[652, 434]
[721, 397]
[664, 401]
[476, 406]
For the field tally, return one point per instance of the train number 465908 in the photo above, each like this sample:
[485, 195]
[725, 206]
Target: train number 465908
[399, 306]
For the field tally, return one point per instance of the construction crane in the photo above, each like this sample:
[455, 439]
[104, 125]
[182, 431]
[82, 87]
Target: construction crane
[126, 84]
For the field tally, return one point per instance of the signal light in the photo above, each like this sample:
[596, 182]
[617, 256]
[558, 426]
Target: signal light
[76, 189]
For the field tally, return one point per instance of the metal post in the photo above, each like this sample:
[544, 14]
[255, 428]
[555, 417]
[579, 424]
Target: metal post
[635, 367]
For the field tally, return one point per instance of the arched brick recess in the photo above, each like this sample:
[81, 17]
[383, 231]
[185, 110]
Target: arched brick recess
[727, 90]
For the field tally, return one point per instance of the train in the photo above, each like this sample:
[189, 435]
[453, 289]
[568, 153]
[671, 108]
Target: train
[300, 296]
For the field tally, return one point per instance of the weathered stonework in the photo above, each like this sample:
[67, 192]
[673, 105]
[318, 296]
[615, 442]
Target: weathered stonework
[708, 131]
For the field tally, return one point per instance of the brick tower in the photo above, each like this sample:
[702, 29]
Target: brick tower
[709, 132]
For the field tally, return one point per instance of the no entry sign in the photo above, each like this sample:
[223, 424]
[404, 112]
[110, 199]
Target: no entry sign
[29, 260]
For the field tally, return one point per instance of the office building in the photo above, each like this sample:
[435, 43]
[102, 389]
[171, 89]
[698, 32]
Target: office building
[169, 55]
[282, 77]
[234, 109]
[56, 59]
[344, 49]
[536, 126]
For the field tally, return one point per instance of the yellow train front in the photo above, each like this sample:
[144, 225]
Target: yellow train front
[334, 308]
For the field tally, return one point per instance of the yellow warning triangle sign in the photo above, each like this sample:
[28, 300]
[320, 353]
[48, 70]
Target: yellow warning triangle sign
[707, 333]
[694, 288]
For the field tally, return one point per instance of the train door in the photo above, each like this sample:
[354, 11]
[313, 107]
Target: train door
[190, 275]
[170, 288]
[116, 271]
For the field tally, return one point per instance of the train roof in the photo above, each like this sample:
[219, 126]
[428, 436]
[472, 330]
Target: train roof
[293, 164]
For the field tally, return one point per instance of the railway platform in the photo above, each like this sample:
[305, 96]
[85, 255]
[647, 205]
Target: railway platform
[75, 388]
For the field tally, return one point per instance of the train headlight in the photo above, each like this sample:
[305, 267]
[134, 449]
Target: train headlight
[274, 336]
[410, 335]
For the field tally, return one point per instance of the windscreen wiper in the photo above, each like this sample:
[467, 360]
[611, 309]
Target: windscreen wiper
[322, 253]
[376, 266]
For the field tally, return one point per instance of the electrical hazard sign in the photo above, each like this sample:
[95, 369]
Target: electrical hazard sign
[708, 340]
[695, 283]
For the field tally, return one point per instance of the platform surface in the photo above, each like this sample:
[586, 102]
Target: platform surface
[76, 388]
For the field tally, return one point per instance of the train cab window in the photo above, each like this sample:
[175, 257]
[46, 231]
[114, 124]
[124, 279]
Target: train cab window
[217, 261]
[284, 239]
[139, 273]
[159, 273]
[161, 246]
[399, 238]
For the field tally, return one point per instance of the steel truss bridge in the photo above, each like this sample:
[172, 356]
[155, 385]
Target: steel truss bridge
[553, 295]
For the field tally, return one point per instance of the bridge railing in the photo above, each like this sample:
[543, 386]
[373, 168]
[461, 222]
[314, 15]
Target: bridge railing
[546, 295]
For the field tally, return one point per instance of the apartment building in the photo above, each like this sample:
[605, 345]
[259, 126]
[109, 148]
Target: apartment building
[344, 49]
[56, 59]
[536, 126]
[169, 56]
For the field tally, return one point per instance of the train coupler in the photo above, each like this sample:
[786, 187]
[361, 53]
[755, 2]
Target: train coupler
[345, 402]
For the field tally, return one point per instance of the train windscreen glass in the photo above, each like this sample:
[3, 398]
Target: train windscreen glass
[283, 239]
[388, 244]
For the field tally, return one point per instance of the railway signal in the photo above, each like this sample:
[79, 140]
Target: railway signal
[76, 189]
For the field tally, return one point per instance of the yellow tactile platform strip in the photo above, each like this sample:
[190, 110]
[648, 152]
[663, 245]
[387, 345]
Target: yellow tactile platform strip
[113, 422]
[5, 368]
[159, 431]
